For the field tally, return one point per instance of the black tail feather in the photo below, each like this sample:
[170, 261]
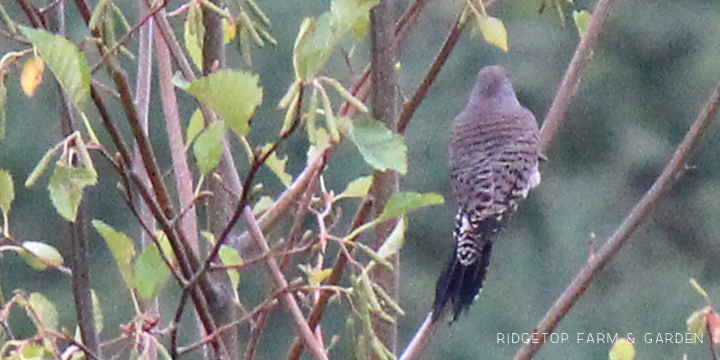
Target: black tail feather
[459, 284]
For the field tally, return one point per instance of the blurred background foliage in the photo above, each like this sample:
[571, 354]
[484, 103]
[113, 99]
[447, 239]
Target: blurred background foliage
[651, 72]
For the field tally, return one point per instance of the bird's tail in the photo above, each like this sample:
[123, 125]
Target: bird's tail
[459, 284]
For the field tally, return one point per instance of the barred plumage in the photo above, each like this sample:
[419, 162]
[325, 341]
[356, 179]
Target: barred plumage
[494, 156]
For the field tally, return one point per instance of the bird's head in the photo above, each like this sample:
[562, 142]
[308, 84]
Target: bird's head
[492, 84]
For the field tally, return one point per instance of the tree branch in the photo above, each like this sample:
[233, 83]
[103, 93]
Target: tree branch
[437, 64]
[385, 183]
[571, 80]
[281, 283]
[334, 278]
[674, 170]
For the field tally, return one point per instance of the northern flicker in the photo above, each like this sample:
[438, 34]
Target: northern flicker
[494, 157]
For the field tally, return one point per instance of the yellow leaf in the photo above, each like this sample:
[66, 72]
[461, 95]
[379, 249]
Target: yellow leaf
[314, 276]
[623, 349]
[317, 277]
[322, 141]
[357, 188]
[229, 30]
[697, 287]
[277, 165]
[582, 20]
[493, 31]
[32, 75]
[697, 322]
[194, 33]
[261, 205]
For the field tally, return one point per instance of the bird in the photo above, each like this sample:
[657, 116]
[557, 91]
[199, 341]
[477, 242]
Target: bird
[494, 156]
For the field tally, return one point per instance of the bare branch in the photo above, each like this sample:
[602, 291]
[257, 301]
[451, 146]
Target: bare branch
[417, 346]
[674, 170]
[422, 90]
[281, 283]
[571, 80]
[338, 269]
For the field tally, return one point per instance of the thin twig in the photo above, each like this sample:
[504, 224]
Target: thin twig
[293, 235]
[571, 80]
[281, 283]
[258, 161]
[175, 325]
[286, 199]
[674, 170]
[32, 13]
[172, 42]
[416, 348]
[266, 305]
[126, 37]
[338, 268]
[173, 125]
[409, 107]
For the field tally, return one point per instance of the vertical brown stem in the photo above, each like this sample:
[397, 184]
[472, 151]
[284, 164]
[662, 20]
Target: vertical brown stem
[82, 290]
[222, 204]
[385, 184]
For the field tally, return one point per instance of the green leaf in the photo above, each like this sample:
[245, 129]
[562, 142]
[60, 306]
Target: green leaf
[697, 287]
[347, 95]
[150, 272]
[7, 191]
[277, 165]
[623, 349]
[232, 95]
[264, 203]
[379, 349]
[313, 46]
[352, 14]
[402, 203]
[98, 14]
[122, 248]
[375, 258]
[259, 14]
[195, 126]
[291, 114]
[40, 255]
[388, 301]
[365, 288]
[3, 103]
[67, 63]
[40, 167]
[229, 30]
[162, 352]
[321, 140]
[316, 276]
[380, 147]
[231, 257]
[697, 322]
[394, 241]
[45, 310]
[36, 351]
[293, 90]
[582, 20]
[317, 37]
[194, 31]
[493, 31]
[358, 188]
[97, 311]
[208, 147]
[245, 42]
[330, 121]
[66, 187]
